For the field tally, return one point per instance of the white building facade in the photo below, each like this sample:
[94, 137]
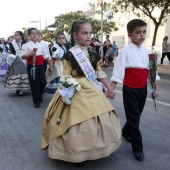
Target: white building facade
[121, 36]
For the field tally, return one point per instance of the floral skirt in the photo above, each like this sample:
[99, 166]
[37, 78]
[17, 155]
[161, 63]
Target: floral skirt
[92, 139]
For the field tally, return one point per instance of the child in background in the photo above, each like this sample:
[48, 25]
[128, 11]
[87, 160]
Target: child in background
[131, 68]
[58, 50]
[115, 49]
[35, 54]
[17, 77]
[45, 44]
[90, 127]
[3, 57]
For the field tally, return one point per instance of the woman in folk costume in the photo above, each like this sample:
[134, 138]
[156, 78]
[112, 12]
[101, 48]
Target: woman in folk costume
[3, 57]
[88, 129]
[58, 51]
[17, 77]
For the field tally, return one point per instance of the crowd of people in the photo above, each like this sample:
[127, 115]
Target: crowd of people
[110, 51]
[87, 130]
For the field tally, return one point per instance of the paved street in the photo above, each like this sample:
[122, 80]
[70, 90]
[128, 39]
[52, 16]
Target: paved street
[20, 134]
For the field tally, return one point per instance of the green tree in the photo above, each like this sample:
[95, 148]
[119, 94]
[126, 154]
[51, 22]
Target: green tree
[45, 33]
[46, 36]
[65, 21]
[145, 8]
[25, 32]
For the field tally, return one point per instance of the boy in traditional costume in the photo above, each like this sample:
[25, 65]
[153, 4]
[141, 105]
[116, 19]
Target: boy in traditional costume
[132, 69]
[35, 54]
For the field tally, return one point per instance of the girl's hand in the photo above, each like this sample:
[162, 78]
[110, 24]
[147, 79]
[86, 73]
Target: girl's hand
[66, 101]
[110, 94]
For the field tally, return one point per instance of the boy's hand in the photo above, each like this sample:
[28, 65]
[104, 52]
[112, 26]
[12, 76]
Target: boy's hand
[50, 68]
[154, 95]
[110, 94]
[32, 53]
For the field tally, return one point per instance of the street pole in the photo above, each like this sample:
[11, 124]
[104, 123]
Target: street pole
[40, 23]
[101, 27]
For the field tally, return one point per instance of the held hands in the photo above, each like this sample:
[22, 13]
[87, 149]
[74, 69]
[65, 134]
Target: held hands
[110, 94]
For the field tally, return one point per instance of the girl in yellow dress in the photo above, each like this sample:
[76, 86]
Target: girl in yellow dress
[90, 128]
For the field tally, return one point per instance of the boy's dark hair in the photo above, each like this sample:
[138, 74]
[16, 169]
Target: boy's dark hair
[30, 30]
[131, 25]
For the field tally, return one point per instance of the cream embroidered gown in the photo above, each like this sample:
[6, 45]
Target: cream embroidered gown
[89, 129]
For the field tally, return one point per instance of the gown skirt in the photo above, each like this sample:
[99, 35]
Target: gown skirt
[16, 76]
[90, 127]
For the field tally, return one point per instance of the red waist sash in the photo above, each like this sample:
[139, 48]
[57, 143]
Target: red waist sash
[39, 60]
[135, 77]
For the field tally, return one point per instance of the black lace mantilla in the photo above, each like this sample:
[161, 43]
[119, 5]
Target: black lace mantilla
[93, 56]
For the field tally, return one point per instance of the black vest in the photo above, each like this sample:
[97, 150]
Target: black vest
[93, 55]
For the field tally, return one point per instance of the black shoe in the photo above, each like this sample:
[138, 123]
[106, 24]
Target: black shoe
[36, 105]
[139, 156]
[128, 138]
[20, 93]
[17, 91]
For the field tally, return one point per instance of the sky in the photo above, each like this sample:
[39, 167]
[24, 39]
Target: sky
[16, 14]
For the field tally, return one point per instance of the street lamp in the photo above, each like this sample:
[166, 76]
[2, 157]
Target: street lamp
[99, 8]
[37, 21]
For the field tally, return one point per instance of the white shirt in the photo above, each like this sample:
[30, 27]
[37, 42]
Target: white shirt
[28, 47]
[165, 46]
[45, 44]
[97, 43]
[130, 56]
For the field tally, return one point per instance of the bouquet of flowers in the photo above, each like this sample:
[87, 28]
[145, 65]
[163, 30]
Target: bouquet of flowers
[152, 74]
[69, 87]
[57, 53]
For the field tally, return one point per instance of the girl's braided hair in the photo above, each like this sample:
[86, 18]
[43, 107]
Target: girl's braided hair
[75, 28]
